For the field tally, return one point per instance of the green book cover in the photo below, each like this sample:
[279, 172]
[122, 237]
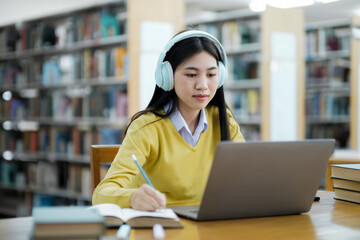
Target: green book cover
[66, 221]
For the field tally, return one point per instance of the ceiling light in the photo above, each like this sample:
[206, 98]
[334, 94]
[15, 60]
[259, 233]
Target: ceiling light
[7, 155]
[7, 125]
[7, 95]
[289, 3]
[325, 1]
[257, 5]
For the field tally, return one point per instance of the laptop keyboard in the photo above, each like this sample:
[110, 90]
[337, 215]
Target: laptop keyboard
[191, 210]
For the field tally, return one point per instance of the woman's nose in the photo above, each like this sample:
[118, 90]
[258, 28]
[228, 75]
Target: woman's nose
[201, 82]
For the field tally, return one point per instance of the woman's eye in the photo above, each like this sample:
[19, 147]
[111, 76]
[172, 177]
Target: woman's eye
[190, 74]
[212, 74]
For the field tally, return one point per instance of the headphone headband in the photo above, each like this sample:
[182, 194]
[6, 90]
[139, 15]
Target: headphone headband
[161, 73]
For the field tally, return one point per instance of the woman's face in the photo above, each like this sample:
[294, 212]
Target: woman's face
[195, 82]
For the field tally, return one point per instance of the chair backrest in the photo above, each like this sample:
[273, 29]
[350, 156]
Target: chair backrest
[100, 154]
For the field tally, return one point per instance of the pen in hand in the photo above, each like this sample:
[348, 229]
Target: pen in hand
[159, 198]
[142, 170]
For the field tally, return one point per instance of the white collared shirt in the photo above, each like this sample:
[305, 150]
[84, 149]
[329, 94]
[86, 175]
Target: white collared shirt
[182, 127]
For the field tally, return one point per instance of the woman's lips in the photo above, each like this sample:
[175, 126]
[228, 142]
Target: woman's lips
[201, 97]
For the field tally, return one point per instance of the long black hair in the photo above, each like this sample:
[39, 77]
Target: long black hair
[178, 53]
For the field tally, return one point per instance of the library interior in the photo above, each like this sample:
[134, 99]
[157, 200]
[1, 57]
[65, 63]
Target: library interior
[73, 73]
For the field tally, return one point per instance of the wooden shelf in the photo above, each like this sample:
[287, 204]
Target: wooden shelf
[244, 48]
[73, 47]
[84, 122]
[78, 83]
[329, 55]
[327, 120]
[243, 84]
[53, 192]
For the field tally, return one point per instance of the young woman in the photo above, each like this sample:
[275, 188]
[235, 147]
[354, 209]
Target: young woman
[175, 137]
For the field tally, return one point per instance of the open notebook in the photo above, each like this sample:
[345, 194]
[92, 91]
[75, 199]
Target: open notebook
[257, 179]
[116, 216]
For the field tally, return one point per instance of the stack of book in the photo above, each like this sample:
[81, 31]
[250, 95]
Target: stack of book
[66, 222]
[346, 179]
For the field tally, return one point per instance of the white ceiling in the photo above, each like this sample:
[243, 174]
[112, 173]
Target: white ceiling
[10, 11]
[318, 12]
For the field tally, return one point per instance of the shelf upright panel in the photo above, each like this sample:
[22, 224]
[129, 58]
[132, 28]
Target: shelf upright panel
[143, 61]
[355, 84]
[287, 22]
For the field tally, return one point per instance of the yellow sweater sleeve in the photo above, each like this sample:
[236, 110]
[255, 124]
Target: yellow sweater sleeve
[116, 186]
[177, 169]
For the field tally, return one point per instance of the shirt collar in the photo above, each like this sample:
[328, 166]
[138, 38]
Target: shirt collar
[179, 122]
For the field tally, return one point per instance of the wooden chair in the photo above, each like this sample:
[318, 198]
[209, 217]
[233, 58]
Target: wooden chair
[100, 154]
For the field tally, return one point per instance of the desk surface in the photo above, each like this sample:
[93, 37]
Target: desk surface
[327, 219]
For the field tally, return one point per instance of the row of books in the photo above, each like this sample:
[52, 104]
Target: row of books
[245, 66]
[8, 39]
[14, 203]
[92, 63]
[234, 33]
[327, 105]
[58, 141]
[10, 73]
[67, 69]
[13, 109]
[250, 132]
[42, 199]
[340, 132]
[47, 177]
[108, 102]
[62, 31]
[245, 104]
[333, 72]
[323, 40]
[346, 178]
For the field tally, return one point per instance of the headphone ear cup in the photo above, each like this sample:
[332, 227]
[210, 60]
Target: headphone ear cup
[223, 74]
[167, 77]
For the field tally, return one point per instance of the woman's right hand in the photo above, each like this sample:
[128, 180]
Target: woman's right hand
[147, 198]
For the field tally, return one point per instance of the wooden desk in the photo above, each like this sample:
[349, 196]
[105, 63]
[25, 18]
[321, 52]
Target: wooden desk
[327, 219]
[340, 157]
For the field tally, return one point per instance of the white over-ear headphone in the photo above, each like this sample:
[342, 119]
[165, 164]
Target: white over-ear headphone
[164, 74]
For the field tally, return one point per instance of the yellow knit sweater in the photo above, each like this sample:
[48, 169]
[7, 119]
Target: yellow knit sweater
[175, 168]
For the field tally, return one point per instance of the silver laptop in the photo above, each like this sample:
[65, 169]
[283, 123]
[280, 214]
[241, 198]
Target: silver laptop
[258, 179]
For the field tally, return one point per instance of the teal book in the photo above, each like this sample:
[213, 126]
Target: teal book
[66, 222]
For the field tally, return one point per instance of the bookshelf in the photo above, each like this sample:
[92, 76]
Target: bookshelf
[67, 81]
[252, 90]
[332, 81]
